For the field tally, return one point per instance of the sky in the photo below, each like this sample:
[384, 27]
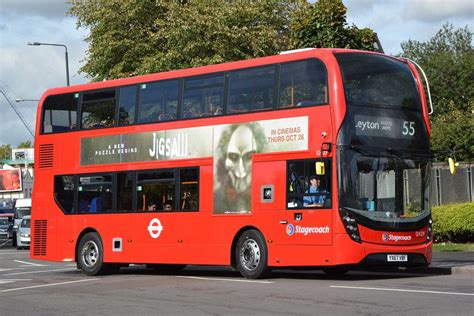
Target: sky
[27, 71]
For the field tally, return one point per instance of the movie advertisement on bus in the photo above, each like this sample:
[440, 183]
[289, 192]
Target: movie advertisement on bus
[231, 146]
[10, 180]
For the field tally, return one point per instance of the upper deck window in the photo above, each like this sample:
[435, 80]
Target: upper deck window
[373, 80]
[158, 101]
[126, 106]
[98, 109]
[203, 97]
[303, 83]
[252, 89]
[60, 113]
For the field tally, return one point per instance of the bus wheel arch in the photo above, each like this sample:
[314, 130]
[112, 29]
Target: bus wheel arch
[90, 253]
[249, 253]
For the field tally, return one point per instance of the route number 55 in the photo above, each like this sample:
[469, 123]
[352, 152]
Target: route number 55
[408, 128]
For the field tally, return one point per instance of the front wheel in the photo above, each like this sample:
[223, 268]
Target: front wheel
[251, 255]
[90, 255]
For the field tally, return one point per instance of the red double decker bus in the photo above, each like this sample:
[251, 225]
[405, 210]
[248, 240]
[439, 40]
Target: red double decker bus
[313, 158]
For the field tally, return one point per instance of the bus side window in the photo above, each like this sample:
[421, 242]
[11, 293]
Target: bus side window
[303, 83]
[64, 192]
[98, 109]
[95, 193]
[203, 97]
[60, 113]
[305, 187]
[126, 105]
[189, 188]
[158, 101]
[251, 89]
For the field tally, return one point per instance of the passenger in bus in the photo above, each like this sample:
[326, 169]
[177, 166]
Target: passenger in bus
[152, 206]
[315, 187]
[168, 206]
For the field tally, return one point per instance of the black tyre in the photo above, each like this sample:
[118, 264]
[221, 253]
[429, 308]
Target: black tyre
[251, 255]
[90, 255]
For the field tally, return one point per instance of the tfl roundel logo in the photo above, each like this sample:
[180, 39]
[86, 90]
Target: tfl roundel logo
[290, 229]
[385, 237]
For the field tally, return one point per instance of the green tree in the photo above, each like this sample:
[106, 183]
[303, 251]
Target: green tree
[25, 144]
[323, 24]
[5, 152]
[133, 37]
[448, 60]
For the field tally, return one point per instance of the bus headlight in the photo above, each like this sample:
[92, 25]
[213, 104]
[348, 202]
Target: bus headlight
[351, 226]
[429, 233]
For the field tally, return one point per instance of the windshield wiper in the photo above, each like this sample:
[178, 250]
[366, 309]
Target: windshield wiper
[360, 151]
[394, 152]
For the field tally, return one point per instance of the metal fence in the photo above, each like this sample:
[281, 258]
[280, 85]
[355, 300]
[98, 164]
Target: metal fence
[447, 188]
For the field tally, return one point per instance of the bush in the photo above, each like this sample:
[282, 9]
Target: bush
[454, 223]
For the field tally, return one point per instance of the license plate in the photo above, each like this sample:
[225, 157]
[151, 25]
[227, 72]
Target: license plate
[397, 258]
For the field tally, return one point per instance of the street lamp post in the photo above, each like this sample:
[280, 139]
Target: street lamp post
[50, 44]
[25, 100]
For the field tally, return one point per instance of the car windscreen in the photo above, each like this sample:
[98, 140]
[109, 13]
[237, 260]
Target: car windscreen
[25, 223]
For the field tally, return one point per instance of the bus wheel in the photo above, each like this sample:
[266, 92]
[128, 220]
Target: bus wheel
[251, 255]
[90, 255]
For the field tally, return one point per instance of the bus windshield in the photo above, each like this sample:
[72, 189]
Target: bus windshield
[384, 187]
[374, 80]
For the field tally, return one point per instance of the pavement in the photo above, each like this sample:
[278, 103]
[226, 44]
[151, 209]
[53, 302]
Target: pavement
[451, 262]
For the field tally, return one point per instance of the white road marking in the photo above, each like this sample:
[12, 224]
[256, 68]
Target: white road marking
[9, 269]
[230, 280]
[15, 253]
[399, 290]
[42, 271]
[13, 280]
[31, 263]
[45, 285]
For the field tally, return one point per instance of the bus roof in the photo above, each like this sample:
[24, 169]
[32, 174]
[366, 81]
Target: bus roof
[188, 72]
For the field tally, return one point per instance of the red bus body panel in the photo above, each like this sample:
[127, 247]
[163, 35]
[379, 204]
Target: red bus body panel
[203, 237]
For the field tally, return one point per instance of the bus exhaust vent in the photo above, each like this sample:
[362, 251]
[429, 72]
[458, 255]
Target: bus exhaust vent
[39, 238]
[46, 156]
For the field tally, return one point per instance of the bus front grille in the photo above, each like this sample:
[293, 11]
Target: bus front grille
[39, 238]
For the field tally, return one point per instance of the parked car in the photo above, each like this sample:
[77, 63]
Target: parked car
[6, 227]
[22, 208]
[23, 233]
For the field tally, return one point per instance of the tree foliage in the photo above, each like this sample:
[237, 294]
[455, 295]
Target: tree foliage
[323, 24]
[5, 152]
[25, 144]
[132, 37]
[448, 60]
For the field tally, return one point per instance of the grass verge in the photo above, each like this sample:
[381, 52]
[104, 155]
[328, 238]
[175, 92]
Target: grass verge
[447, 246]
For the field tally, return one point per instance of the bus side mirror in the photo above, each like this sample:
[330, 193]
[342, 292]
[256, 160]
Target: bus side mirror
[320, 168]
[452, 165]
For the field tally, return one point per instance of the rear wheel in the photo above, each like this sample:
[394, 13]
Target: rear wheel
[90, 255]
[251, 255]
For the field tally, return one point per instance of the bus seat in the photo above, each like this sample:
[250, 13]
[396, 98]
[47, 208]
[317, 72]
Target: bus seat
[96, 205]
[83, 206]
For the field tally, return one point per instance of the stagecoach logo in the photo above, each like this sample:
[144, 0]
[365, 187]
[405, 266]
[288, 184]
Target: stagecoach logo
[155, 228]
[396, 238]
[304, 230]
[290, 229]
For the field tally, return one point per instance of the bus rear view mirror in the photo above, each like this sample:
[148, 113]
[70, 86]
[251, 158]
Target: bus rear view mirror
[320, 168]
